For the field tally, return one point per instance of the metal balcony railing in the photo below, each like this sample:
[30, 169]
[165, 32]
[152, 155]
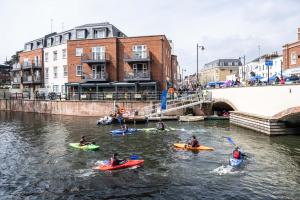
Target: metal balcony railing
[37, 65]
[140, 75]
[100, 57]
[26, 65]
[137, 56]
[95, 77]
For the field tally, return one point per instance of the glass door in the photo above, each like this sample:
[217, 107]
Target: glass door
[98, 53]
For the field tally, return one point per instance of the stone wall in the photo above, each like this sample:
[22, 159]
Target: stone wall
[78, 108]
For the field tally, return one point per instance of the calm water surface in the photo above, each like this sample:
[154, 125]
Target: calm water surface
[37, 163]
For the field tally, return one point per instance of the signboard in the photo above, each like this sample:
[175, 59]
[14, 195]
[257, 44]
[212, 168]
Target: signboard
[269, 62]
[163, 103]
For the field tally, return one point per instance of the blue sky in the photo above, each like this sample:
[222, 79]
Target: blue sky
[227, 28]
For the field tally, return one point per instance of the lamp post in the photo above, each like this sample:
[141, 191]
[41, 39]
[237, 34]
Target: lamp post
[243, 68]
[202, 48]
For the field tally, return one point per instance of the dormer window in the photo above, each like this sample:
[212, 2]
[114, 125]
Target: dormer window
[66, 37]
[80, 34]
[49, 42]
[39, 44]
[57, 40]
[28, 47]
[100, 33]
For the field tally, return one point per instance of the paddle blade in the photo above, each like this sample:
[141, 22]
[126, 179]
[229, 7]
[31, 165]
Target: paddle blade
[230, 141]
[134, 157]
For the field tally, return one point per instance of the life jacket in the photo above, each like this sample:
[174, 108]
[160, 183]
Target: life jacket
[236, 154]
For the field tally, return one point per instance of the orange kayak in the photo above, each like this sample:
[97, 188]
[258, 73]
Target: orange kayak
[188, 147]
[129, 163]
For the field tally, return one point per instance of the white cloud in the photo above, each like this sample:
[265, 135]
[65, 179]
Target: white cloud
[227, 28]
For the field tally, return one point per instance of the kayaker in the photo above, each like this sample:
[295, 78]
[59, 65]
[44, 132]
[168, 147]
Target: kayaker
[115, 161]
[194, 142]
[237, 153]
[160, 126]
[83, 141]
[124, 127]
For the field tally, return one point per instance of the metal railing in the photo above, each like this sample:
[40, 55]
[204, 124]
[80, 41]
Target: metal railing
[95, 77]
[95, 57]
[130, 96]
[137, 55]
[15, 95]
[140, 75]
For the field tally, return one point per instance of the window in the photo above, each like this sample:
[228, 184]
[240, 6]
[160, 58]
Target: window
[64, 53]
[293, 58]
[221, 63]
[46, 57]
[63, 89]
[79, 51]
[80, 34]
[57, 40]
[263, 67]
[98, 53]
[54, 72]
[78, 70]
[28, 47]
[65, 70]
[54, 55]
[46, 73]
[140, 51]
[229, 63]
[236, 63]
[66, 37]
[49, 42]
[56, 88]
[99, 33]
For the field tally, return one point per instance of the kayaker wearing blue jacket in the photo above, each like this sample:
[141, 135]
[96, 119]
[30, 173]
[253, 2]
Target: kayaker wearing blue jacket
[194, 142]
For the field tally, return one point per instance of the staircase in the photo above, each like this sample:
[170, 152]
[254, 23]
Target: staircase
[178, 103]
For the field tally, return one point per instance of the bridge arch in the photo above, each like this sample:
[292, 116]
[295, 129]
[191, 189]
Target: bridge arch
[220, 105]
[291, 118]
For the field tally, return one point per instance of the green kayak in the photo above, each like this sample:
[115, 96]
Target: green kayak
[85, 147]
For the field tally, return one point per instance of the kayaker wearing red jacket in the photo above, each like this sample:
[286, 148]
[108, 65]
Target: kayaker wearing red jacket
[115, 161]
[237, 153]
[194, 142]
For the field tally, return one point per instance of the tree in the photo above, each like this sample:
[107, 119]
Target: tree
[14, 59]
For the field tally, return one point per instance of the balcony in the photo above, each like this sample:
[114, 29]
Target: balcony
[30, 79]
[95, 77]
[138, 56]
[26, 66]
[16, 80]
[102, 57]
[137, 76]
[16, 69]
[37, 65]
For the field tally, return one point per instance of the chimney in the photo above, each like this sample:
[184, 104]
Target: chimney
[298, 34]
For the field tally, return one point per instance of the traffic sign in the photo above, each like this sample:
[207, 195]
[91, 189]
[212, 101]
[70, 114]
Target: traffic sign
[269, 62]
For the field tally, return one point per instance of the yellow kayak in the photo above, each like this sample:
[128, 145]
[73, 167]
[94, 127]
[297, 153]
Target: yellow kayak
[188, 147]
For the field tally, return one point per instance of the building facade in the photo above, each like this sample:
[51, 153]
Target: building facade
[5, 77]
[291, 57]
[218, 70]
[97, 57]
[258, 67]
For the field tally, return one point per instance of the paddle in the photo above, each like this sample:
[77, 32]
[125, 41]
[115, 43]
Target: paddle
[230, 141]
[134, 157]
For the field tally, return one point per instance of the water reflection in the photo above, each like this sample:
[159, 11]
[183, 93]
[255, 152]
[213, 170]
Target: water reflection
[38, 163]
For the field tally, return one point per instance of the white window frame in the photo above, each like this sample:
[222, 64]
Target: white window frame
[64, 53]
[140, 50]
[99, 33]
[66, 37]
[65, 70]
[98, 52]
[56, 88]
[79, 70]
[49, 42]
[46, 56]
[63, 89]
[55, 55]
[79, 34]
[55, 70]
[57, 40]
[293, 58]
[46, 73]
[78, 51]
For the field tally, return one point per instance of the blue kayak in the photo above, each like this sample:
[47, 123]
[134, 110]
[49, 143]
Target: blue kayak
[120, 131]
[236, 162]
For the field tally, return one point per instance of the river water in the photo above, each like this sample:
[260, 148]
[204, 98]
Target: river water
[37, 163]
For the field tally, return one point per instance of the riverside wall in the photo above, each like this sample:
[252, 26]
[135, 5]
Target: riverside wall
[76, 108]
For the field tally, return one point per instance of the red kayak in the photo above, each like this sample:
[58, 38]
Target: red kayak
[128, 163]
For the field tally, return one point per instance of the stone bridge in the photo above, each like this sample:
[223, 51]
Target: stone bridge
[268, 109]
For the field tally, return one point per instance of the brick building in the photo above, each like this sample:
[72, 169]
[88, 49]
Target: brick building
[96, 57]
[291, 57]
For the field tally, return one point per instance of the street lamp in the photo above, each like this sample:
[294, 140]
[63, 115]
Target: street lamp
[243, 68]
[202, 48]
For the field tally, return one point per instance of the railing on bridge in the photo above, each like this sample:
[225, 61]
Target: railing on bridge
[178, 103]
